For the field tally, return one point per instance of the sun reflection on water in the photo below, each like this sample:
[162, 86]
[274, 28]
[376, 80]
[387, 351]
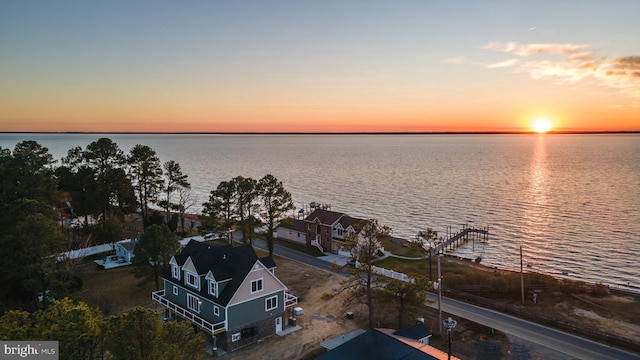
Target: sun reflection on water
[536, 215]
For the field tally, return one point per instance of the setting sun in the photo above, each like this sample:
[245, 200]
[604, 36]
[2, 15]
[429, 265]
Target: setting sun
[541, 125]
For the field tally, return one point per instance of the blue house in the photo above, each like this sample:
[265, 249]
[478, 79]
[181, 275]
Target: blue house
[227, 292]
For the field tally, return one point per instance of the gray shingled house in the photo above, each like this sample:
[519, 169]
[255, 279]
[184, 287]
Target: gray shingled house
[227, 292]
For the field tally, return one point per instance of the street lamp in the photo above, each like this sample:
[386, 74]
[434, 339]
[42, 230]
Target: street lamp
[449, 324]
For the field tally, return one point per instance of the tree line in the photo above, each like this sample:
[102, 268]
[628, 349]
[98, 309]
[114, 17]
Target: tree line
[246, 203]
[85, 333]
[37, 199]
[101, 186]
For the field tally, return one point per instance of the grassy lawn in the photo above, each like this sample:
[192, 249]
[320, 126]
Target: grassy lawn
[409, 267]
[113, 291]
[401, 249]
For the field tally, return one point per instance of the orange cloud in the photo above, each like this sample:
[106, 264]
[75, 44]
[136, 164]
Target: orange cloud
[532, 49]
[617, 72]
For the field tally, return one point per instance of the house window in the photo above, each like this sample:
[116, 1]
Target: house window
[271, 303]
[213, 288]
[175, 290]
[256, 285]
[216, 310]
[192, 280]
[193, 303]
[339, 232]
[176, 271]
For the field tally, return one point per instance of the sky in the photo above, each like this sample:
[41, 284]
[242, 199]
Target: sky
[319, 66]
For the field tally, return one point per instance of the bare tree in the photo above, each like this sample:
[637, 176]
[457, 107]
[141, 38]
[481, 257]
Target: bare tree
[365, 248]
[426, 241]
[186, 201]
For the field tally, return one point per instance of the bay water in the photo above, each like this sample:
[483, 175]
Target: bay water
[572, 202]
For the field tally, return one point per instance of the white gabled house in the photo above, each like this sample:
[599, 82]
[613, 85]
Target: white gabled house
[227, 292]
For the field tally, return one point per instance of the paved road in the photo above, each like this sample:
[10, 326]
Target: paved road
[565, 343]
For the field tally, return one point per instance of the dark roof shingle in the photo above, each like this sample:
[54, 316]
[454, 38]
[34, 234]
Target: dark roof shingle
[227, 262]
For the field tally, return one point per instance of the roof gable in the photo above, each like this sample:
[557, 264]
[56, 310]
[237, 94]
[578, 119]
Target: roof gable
[374, 344]
[223, 263]
[127, 245]
[271, 284]
[326, 217]
[189, 266]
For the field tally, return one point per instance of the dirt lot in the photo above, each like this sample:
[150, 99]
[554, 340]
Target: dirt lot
[116, 290]
[322, 318]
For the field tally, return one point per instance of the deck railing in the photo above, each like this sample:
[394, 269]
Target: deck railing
[289, 300]
[316, 243]
[212, 328]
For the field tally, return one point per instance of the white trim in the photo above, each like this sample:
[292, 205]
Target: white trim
[175, 271]
[190, 291]
[175, 290]
[213, 288]
[259, 281]
[234, 301]
[257, 297]
[216, 310]
[266, 303]
[196, 279]
[193, 303]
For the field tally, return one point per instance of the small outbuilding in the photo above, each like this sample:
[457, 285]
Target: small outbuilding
[417, 332]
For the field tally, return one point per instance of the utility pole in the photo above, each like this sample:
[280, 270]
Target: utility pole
[521, 276]
[439, 297]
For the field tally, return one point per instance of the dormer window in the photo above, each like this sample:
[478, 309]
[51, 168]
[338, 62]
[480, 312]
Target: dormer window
[175, 270]
[213, 288]
[256, 285]
[192, 279]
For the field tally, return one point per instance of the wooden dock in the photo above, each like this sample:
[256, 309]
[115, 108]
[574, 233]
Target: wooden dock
[465, 235]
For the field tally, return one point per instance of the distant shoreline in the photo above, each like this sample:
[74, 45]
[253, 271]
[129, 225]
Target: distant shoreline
[565, 132]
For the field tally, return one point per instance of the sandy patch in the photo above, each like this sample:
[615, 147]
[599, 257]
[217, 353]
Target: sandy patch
[622, 329]
[323, 317]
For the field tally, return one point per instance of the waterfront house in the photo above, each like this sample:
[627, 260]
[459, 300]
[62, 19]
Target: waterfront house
[322, 228]
[293, 230]
[227, 292]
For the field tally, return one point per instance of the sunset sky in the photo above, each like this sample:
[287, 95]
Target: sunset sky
[318, 66]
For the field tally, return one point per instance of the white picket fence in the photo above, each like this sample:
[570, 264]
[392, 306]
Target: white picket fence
[390, 273]
[80, 253]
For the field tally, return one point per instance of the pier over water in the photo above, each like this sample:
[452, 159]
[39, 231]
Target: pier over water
[465, 235]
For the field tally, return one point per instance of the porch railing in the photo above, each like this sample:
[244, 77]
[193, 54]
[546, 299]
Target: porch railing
[289, 300]
[212, 328]
[316, 243]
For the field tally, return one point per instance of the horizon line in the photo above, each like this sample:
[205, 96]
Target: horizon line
[556, 132]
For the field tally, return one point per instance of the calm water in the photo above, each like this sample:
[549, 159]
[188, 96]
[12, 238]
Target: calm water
[571, 201]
